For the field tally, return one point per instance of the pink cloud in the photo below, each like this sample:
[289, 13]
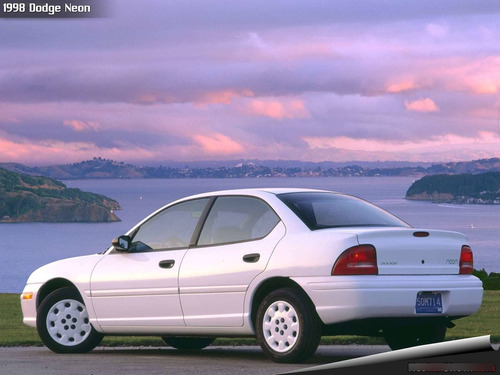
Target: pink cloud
[222, 96]
[421, 105]
[24, 151]
[54, 152]
[276, 109]
[401, 86]
[354, 144]
[479, 76]
[487, 140]
[486, 88]
[82, 126]
[218, 144]
[147, 99]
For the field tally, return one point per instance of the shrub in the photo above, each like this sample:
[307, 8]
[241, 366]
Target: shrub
[490, 281]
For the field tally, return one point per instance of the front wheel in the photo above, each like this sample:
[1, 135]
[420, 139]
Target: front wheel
[288, 329]
[63, 323]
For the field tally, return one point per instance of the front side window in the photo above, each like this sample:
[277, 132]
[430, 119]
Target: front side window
[327, 210]
[172, 228]
[235, 219]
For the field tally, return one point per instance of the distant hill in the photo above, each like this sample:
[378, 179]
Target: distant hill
[103, 168]
[28, 198]
[473, 167]
[482, 188]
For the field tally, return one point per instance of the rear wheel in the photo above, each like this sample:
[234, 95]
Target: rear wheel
[63, 323]
[288, 329]
[188, 343]
[405, 337]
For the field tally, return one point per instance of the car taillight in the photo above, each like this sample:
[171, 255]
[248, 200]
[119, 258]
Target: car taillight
[357, 260]
[466, 260]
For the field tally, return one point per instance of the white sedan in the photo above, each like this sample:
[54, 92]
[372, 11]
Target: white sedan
[284, 265]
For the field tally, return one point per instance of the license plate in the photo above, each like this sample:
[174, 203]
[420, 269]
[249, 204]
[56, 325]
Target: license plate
[428, 303]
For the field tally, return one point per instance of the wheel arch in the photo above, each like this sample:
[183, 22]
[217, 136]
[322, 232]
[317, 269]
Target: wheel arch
[268, 286]
[52, 285]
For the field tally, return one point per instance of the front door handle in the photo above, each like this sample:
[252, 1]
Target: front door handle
[251, 258]
[167, 263]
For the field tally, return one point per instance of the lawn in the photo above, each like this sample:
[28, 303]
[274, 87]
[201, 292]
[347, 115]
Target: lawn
[485, 322]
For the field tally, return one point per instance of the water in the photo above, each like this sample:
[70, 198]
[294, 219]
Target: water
[26, 246]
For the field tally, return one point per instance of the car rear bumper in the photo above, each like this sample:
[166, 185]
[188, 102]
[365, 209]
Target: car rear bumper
[345, 298]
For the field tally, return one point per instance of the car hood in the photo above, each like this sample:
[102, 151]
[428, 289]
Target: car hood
[76, 269]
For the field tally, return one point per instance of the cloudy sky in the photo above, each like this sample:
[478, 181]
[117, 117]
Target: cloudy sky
[227, 79]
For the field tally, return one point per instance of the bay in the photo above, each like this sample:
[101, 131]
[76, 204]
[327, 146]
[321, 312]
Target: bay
[27, 246]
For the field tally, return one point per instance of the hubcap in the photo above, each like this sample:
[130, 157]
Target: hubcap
[281, 326]
[68, 322]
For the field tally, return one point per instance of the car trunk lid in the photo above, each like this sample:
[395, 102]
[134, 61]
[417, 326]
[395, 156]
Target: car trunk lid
[408, 251]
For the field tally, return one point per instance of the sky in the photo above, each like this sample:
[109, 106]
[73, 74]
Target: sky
[322, 80]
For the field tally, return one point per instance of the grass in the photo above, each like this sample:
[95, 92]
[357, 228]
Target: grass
[14, 333]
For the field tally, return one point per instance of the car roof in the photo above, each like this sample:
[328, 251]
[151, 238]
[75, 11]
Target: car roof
[258, 191]
[263, 193]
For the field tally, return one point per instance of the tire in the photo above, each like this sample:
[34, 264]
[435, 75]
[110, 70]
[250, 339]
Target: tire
[63, 323]
[409, 336]
[188, 343]
[287, 326]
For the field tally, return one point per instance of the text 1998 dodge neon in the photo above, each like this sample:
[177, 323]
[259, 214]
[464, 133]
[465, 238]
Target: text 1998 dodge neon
[284, 265]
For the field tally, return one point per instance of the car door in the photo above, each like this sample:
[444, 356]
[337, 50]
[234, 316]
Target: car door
[139, 288]
[234, 246]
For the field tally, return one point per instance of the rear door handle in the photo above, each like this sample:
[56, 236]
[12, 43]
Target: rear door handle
[251, 258]
[167, 263]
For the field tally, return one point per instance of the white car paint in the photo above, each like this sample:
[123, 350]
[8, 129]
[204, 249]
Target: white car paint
[211, 289]
[213, 281]
[132, 290]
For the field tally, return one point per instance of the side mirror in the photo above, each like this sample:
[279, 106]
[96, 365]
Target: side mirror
[121, 243]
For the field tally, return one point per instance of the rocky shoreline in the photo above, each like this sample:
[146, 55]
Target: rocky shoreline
[40, 199]
[449, 198]
[482, 188]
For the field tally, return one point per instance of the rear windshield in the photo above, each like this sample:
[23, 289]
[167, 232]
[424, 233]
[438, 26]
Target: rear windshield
[331, 210]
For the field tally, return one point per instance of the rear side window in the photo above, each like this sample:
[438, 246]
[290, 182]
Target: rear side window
[329, 210]
[235, 219]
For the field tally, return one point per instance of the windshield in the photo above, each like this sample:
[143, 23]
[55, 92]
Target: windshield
[320, 210]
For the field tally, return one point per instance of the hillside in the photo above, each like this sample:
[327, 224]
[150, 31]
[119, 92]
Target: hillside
[99, 168]
[28, 198]
[483, 188]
